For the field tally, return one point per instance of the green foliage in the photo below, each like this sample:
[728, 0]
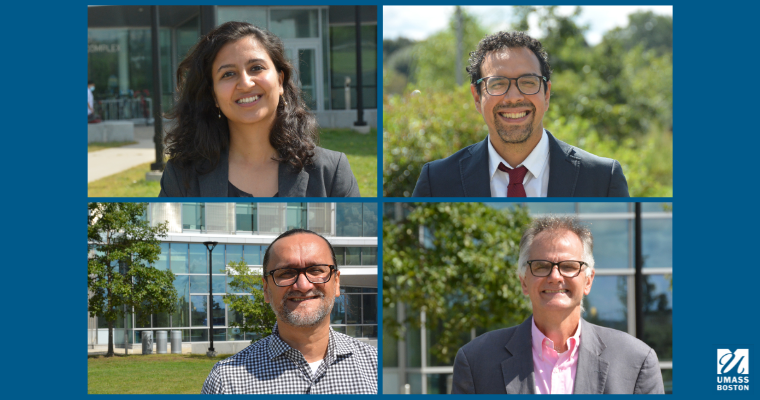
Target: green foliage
[434, 58]
[122, 245]
[463, 274]
[258, 316]
[614, 100]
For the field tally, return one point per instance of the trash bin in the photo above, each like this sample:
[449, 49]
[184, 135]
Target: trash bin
[160, 342]
[147, 342]
[176, 342]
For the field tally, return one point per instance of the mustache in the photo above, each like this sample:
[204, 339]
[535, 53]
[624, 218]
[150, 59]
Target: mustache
[502, 107]
[293, 293]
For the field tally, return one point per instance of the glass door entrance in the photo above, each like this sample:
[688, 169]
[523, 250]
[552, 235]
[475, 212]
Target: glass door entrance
[307, 61]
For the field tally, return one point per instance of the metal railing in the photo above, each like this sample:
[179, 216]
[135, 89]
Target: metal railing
[126, 108]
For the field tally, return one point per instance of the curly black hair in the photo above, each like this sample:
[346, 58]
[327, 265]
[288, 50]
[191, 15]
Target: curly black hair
[200, 135]
[501, 40]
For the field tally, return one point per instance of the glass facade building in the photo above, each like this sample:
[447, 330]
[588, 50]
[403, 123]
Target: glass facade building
[408, 367]
[243, 232]
[320, 41]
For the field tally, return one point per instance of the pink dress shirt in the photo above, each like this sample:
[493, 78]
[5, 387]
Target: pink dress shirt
[554, 373]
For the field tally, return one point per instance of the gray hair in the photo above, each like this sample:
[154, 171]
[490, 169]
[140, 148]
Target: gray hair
[556, 223]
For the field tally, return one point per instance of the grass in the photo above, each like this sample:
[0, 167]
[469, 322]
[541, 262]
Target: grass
[154, 373]
[129, 183]
[361, 151]
[100, 146]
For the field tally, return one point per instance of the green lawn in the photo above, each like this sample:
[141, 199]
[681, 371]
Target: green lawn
[95, 146]
[154, 373]
[361, 151]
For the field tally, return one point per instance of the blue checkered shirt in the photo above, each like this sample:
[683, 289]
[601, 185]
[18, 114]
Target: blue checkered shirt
[271, 366]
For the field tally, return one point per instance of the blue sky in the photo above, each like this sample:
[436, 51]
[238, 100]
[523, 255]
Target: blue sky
[407, 21]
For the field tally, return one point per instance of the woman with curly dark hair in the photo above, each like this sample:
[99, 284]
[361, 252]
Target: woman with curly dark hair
[242, 128]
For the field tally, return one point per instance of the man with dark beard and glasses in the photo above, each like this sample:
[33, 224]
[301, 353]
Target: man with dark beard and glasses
[511, 86]
[303, 354]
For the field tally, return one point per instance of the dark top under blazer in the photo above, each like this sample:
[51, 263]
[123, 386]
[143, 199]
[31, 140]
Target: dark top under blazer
[609, 361]
[329, 175]
[572, 173]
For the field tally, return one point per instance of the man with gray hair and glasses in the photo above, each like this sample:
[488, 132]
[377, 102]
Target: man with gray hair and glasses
[511, 85]
[303, 355]
[555, 350]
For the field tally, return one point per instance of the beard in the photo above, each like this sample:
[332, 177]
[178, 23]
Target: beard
[302, 318]
[514, 134]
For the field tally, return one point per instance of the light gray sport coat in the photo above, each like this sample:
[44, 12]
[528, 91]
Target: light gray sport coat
[328, 176]
[572, 173]
[609, 361]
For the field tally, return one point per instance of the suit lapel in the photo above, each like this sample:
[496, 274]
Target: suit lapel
[564, 167]
[518, 369]
[291, 183]
[214, 184]
[473, 168]
[591, 374]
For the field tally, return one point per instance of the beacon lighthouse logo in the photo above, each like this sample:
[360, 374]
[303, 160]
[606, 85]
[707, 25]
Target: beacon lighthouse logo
[733, 370]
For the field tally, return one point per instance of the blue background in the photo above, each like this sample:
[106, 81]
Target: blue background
[45, 199]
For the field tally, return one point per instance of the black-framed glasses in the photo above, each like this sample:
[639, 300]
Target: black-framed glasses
[315, 274]
[498, 85]
[568, 268]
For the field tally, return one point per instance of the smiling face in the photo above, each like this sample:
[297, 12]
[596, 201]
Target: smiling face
[303, 303]
[556, 293]
[512, 117]
[247, 86]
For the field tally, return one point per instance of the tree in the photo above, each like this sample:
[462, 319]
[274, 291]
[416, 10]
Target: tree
[258, 316]
[458, 263]
[122, 245]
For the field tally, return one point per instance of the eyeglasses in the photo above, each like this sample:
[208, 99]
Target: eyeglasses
[543, 268]
[498, 85]
[315, 274]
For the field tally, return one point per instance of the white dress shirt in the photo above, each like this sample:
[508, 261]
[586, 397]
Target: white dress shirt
[536, 181]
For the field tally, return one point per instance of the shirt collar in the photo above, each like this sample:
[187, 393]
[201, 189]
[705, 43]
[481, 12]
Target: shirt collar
[338, 345]
[573, 342]
[535, 162]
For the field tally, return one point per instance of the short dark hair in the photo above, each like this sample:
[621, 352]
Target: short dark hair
[200, 135]
[501, 40]
[294, 232]
[90, 82]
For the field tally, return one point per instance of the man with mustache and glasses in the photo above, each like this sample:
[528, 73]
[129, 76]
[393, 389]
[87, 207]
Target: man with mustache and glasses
[511, 86]
[555, 350]
[303, 355]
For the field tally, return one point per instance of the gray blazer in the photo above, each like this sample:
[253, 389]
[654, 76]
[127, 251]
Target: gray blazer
[572, 173]
[328, 176]
[609, 361]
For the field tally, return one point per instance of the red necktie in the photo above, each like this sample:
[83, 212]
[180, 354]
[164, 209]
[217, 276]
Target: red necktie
[516, 176]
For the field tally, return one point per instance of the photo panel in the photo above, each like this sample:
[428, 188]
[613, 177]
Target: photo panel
[450, 276]
[165, 120]
[189, 283]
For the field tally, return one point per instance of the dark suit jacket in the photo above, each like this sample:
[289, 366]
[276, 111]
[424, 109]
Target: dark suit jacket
[609, 361]
[572, 173]
[328, 176]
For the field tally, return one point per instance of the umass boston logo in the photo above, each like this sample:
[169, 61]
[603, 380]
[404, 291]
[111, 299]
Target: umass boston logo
[733, 369]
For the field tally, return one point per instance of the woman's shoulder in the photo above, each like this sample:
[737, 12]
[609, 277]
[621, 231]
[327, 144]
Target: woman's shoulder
[325, 157]
[335, 172]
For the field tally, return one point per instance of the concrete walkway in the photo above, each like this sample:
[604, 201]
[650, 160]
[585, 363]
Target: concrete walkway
[103, 163]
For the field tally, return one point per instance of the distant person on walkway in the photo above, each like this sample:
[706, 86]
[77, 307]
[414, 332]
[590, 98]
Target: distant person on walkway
[555, 350]
[92, 117]
[511, 86]
[242, 128]
[303, 355]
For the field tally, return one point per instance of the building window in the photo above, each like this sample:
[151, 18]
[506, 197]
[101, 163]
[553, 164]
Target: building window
[355, 312]
[192, 216]
[296, 216]
[245, 217]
